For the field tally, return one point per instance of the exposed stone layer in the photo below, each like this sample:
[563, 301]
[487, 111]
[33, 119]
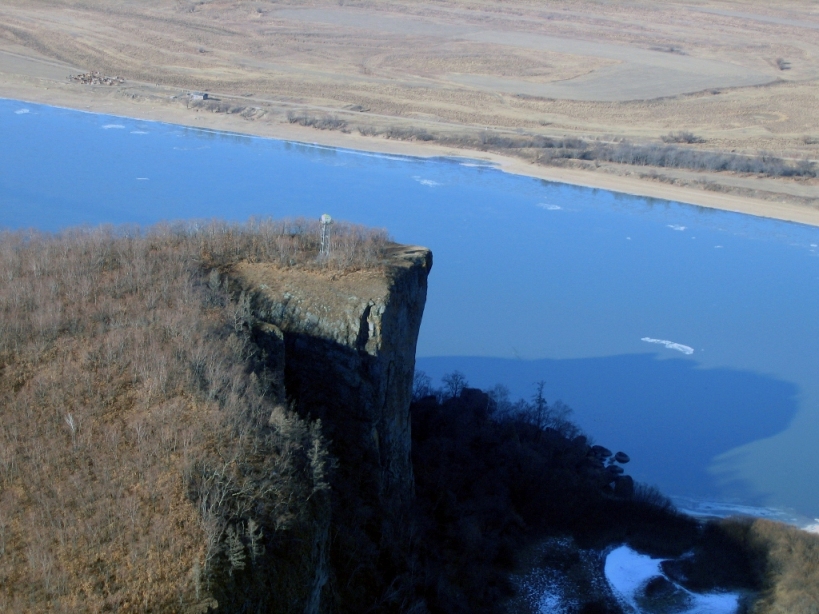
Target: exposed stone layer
[349, 352]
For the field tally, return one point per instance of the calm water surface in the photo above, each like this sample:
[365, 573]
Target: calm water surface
[532, 281]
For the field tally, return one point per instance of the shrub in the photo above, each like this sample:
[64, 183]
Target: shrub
[146, 452]
[682, 137]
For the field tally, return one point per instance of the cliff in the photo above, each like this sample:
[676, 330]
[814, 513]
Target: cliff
[150, 459]
[348, 352]
[153, 376]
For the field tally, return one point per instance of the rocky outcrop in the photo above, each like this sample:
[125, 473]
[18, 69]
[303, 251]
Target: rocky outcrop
[348, 348]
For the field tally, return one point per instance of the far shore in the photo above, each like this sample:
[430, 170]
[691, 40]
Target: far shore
[55, 94]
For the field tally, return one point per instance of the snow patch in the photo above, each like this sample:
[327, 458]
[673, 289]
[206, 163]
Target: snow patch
[628, 573]
[670, 345]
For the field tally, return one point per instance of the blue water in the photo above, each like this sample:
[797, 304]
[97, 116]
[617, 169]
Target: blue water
[532, 281]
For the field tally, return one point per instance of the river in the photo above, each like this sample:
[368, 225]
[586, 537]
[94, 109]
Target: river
[684, 336]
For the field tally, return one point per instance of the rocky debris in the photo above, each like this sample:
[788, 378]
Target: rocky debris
[96, 78]
[598, 463]
[601, 452]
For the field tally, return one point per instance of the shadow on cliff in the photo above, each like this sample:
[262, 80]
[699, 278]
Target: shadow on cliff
[670, 416]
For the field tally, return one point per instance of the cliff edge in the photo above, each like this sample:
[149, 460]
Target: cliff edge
[349, 352]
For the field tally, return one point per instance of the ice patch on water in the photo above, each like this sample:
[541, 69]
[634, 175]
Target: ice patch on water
[477, 165]
[21, 111]
[353, 152]
[367, 154]
[426, 182]
[722, 509]
[670, 345]
[142, 179]
[549, 207]
[138, 132]
[704, 509]
[113, 127]
[628, 572]
[718, 247]
[677, 227]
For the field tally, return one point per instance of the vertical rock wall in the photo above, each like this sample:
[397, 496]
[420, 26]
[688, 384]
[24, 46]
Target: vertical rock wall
[349, 354]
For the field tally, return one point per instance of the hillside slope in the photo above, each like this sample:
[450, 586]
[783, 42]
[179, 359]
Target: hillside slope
[148, 460]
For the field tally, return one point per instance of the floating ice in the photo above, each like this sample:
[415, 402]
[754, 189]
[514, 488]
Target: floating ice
[721, 509]
[356, 152]
[113, 126]
[21, 111]
[670, 345]
[142, 179]
[427, 182]
[677, 227]
[549, 207]
[477, 165]
[718, 247]
[138, 132]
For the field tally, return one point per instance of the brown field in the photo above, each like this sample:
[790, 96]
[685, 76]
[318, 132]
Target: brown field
[741, 76]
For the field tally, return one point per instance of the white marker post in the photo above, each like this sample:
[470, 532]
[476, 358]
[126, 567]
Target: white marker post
[326, 220]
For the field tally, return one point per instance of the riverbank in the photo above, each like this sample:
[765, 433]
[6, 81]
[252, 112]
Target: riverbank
[607, 90]
[163, 104]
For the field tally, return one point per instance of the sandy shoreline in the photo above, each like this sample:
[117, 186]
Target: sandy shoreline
[67, 96]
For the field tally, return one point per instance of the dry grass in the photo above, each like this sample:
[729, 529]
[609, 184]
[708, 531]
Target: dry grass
[789, 563]
[145, 454]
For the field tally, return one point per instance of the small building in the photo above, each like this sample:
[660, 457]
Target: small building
[198, 95]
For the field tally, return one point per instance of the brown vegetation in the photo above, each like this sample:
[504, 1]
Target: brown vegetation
[147, 462]
[783, 560]
[558, 151]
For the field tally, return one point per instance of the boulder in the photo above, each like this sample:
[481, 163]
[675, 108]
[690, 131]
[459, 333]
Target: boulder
[600, 451]
[615, 469]
[622, 458]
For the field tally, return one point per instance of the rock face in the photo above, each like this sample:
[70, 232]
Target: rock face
[349, 353]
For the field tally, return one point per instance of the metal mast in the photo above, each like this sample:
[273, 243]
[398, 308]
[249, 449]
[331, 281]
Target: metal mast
[326, 220]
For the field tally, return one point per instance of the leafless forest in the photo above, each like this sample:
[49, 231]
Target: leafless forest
[144, 446]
